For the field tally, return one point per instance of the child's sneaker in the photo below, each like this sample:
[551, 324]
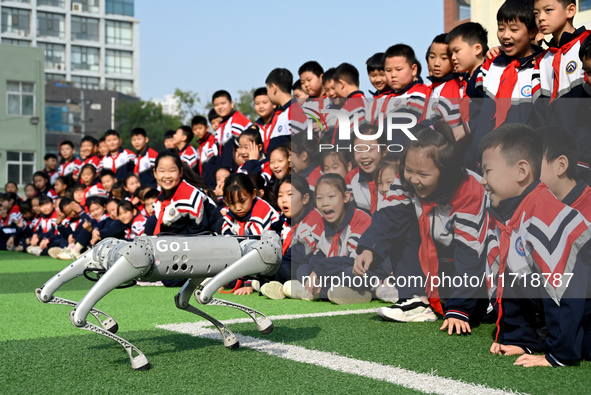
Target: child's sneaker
[68, 255]
[273, 290]
[416, 309]
[54, 252]
[294, 289]
[387, 293]
[256, 285]
[346, 295]
[35, 250]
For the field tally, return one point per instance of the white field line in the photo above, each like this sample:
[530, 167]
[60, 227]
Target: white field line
[427, 383]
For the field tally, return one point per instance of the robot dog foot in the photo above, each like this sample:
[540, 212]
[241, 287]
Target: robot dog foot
[106, 322]
[137, 358]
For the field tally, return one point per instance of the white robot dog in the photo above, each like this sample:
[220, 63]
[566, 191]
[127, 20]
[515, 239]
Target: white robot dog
[155, 258]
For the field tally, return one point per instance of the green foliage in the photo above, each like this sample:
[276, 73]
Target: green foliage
[148, 115]
[245, 104]
[189, 102]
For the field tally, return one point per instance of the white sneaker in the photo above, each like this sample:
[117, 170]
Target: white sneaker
[387, 293]
[34, 250]
[68, 255]
[256, 285]
[295, 290]
[54, 252]
[273, 290]
[344, 295]
[416, 309]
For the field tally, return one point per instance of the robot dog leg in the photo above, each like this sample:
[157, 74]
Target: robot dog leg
[90, 260]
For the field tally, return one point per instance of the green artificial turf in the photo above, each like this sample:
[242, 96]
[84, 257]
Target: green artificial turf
[42, 352]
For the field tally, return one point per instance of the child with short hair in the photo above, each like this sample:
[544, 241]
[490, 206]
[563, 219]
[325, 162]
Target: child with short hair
[361, 180]
[336, 162]
[304, 161]
[298, 92]
[182, 142]
[506, 78]
[214, 119]
[50, 168]
[150, 198]
[334, 244]
[265, 109]
[232, 125]
[559, 170]
[69, 163]
[585, 56]
[377, 75]
[220, 177]
[102, 148]
[41, 182]
[92, 186]
[279, 161]
[168, 139]
[524, 216]
[146, 155]
[120, 161]
[346, 79]
[385, 175]
[108, 179]
[557, 76]
[88, 154]
[133, 220]
[409, 94]
[131, 184]
[245, 214]
[449, 235]
[311, 79]
[30, 191]
[207, 152]
[250, 148]
[289, 117]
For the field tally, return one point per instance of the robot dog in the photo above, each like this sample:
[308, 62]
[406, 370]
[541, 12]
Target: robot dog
[220, 259]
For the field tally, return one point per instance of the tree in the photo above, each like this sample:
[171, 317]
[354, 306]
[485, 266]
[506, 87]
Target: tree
[189, 104]
[147, 115]
[245, 104]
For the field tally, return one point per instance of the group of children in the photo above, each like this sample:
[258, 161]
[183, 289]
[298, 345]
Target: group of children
[490, 183]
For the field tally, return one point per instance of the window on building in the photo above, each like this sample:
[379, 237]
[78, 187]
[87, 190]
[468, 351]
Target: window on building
[20, 43]
[51, 78]
[117, 32]
[20, 98]
[85, 58]
[119, 7]
[85, 28]
[88, 5]
[584, 5]
[55, 56]
[52, 3]
[120, 62]
[51, 25]
[20, 166]
[61, 118]
[16, 21]
[463, 10]
[83, 82]
[123, 86]
[18, 1]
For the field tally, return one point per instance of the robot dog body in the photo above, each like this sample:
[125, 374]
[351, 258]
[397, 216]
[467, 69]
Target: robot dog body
[152, 258]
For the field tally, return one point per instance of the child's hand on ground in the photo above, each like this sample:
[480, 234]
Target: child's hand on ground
[460, 327]
[528, 360]
[362, 263]
[244, 291]
[501, 349]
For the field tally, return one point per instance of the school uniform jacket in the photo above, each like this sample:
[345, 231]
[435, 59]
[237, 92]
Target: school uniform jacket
[121, 164]
[312, 174]
[92, 160]
[559, 75]
[14, 214]
[355, 107]
[339, 245]
[186, 210]
[207, 154]
[136, 228]
[52, 175]
[47, 227]
[363, 189]
[49, 192]
[288, 119]
[535, 234]
[261, 217]
[260, 167]
[579, 198]
[410, 100]
[230, 129]
[443, 100]
[95, 189]
[457, 223]
[189, 155]
[67, 168]
[144, 167]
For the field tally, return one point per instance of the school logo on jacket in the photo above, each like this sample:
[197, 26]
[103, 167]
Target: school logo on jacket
[526, 91]
[571, 67]
[398, 102]
[280, 128]
[172, 212]
[519, 247]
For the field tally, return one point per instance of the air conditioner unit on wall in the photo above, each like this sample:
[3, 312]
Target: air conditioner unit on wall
[77, 7]
[60, 66]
